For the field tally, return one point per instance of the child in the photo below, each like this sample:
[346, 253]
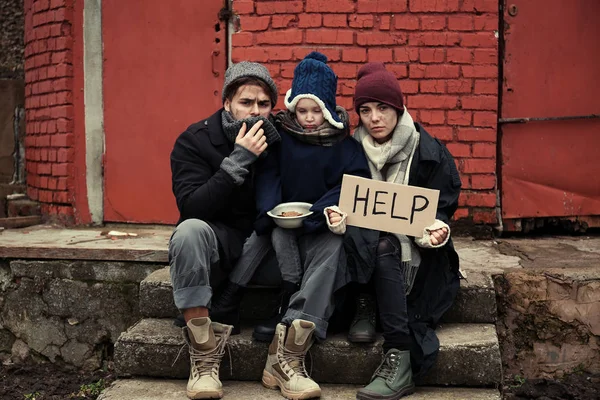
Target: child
[306, 166]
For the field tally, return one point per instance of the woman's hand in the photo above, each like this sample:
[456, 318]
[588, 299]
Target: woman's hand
[438, 236]
[334, 217]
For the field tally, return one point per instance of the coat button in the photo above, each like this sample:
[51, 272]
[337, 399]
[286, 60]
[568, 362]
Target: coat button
[205, 122]
[417, 316]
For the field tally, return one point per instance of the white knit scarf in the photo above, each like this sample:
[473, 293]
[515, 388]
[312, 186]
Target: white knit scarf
[390, 162]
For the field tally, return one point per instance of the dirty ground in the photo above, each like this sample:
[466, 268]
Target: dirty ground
[50, 382]
[577, 386]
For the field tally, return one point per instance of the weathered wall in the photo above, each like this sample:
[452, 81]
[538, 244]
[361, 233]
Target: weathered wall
[444, 53]
[11, 39]
[549, 322]
[67, 311]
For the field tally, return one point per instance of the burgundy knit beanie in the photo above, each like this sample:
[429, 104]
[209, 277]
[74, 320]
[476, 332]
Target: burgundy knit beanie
[375, 83]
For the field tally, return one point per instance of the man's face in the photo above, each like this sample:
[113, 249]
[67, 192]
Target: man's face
[249, 101]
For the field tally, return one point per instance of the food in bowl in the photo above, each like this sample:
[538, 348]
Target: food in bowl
[290, 214]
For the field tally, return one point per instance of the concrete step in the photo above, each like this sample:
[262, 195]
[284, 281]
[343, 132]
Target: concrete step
[469, 356]
[475, 303]
[158, 389]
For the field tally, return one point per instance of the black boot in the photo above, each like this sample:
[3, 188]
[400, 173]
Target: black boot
[226, 307]
[362, 329]
[265, 332]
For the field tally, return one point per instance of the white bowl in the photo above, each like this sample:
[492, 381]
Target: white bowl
[290, 222]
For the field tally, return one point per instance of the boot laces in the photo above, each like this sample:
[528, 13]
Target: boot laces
[365, 309]
[207, 362]
[388, 367]
[294, 360]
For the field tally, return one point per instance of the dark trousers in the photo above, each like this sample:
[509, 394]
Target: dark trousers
[388, 281]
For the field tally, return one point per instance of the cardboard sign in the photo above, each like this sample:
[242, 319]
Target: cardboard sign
[388, 207]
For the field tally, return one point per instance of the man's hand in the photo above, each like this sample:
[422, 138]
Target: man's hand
[254, 140]
[334, 218]
[438, 236]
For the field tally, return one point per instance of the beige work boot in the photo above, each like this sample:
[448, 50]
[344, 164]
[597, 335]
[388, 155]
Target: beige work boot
[206, 342]
[285, 364]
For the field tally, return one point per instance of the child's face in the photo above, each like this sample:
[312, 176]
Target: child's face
[309, 114]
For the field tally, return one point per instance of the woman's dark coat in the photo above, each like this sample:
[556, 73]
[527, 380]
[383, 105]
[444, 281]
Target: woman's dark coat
[437, 281]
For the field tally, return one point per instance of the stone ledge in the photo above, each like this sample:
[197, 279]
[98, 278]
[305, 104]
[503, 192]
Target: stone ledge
[155, 389]
[469, 356]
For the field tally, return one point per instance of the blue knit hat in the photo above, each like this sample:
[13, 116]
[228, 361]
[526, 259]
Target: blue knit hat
[313, 79]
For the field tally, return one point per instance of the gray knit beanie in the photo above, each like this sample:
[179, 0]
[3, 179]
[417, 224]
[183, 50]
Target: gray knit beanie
[246, 69]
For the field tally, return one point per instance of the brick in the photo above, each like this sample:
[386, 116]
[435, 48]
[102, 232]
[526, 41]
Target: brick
[310, 20]
[345, 70]
[52, 155]
[61, 112]
[347, 87]
[380, 38]
[61, 57]
[62, 140]
[480, 182]
[345, 102]
[252, 24]
[280, 53]
[324, 6]
[243, 7]
[478, 39]
[62, 14]
[487, 22]
[485, 119]
[287, 71]
[443, 133]
[461, 213]
[477, 135]
[459, 150]
[432, 86]
[460, 23]
[63, 70]
[484, 150]
[42, 32]
[459, 56]
[335, 20]
[400, 71]
[60, 197]
[64, 125]
[459, 118]
[332, 54]
[432, 117]
[486, 56]
[479, 6]
[385, 22]
[406, 54]
[382, 6]
[433, 22]
[279, 7]
[486, 87]
[329, 36]
[410, 86]
[406, 22]
[283, 21]
[256, 54]
[289, 36]
[434, 71]
[477, 199]
[42, 141]
[360, 21]
[380, 55]
[45, 196]
[44, 169]
[430, 101]
[480, 71]
[428, 55]
[459, 86]
[479, 102]
[485, 217]
[61, 169]
[242, 39]
[433, 5]
[61, 183]
[354, 54]
[434, 39]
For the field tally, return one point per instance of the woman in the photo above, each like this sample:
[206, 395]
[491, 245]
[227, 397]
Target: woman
[415, 279]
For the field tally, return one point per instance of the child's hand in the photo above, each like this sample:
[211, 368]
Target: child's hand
[334, 217]
[254, 140]
[438, 236]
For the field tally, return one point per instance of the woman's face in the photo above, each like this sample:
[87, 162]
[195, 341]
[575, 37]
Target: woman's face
[379, 119]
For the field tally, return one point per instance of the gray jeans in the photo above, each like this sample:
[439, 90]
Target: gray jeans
[285, 243]
[193, 251]
[319, 255]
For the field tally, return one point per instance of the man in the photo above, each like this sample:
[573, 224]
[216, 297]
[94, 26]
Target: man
[211, 166]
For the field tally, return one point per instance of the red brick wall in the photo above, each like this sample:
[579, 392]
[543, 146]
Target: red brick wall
[49, 106]
[444, 53]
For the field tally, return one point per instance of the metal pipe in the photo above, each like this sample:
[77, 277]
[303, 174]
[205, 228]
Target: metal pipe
[523, 120]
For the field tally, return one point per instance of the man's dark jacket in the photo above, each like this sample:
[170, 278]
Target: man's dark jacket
[204, 191]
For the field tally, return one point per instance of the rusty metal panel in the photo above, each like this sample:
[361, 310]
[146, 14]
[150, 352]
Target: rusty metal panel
[551, 169]
[551, 69]
[160, 61]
